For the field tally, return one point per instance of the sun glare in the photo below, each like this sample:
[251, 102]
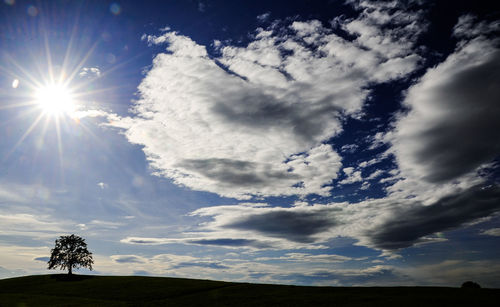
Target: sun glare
[55, 100]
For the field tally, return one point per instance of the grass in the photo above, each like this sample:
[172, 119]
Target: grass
[87, 290]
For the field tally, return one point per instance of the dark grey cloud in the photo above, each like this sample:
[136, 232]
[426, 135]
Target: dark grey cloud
[263, 112]
[470, 136]
[142, 241]
[384, 224]
[234, 172]
[293, 225]
[43, 259]
[409, 225]
[231, 242]
[127, 259]
[452, 126]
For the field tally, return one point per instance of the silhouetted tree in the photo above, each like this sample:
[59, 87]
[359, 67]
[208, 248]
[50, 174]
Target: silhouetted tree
[70, 252]
[471, 285]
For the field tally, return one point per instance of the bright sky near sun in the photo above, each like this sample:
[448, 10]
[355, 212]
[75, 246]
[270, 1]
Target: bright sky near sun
[311, 143]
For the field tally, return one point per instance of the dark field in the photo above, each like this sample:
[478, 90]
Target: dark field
[57, 290]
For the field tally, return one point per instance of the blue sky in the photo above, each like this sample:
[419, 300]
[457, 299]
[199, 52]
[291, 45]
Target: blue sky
[312, 143]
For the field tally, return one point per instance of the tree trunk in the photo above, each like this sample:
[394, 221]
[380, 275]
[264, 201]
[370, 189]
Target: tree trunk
[70, 272]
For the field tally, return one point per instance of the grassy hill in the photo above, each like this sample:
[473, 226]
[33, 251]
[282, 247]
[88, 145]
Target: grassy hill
[57, 290]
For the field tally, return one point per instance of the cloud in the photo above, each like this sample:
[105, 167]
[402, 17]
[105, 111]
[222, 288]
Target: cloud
[102, 185]
[492, 232]
[296, 225]
[453, 272]
[412, 224]
[264, 17]
[127, 259]
[146, 241]
[346, 277]
[452, 125]
[384, 224]
[23, 193]
[202, 6]
[104, 224]
[42, 259]
[90, 72]
[31, 225]
[468, 27]
[303, 257]
[230, 242]
[350, 148]
[208, 265]
[207, 241]
[254, 120]
[375, 174]
[352, 176]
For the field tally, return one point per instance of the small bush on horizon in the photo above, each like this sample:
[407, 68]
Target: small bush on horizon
[471, 285]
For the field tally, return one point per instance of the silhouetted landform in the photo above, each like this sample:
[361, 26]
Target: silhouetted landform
[471, 285]
[84, 290]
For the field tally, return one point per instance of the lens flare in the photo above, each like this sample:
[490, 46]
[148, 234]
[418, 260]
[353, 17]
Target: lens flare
[55, 99]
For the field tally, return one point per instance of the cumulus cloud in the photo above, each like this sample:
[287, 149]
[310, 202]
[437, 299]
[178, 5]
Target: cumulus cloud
[384, 224]
[254, 121]
[414, 224]
[90, 72]
[452, 125]
[352, 176]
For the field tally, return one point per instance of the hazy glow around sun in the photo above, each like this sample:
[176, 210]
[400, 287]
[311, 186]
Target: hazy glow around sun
[55, 99]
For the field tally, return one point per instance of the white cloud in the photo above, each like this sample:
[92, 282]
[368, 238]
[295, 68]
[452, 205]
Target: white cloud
[102, 185]
[90, 72]
[23, 193]
[371, 162]
[467, 27]
[350, 148]
[256, 126]
[365, 186]
[375, 174]
[352, 176]
[31, 225]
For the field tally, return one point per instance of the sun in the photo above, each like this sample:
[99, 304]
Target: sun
[55, 100]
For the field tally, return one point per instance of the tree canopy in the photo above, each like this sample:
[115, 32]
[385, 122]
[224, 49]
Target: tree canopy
[70, 252]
